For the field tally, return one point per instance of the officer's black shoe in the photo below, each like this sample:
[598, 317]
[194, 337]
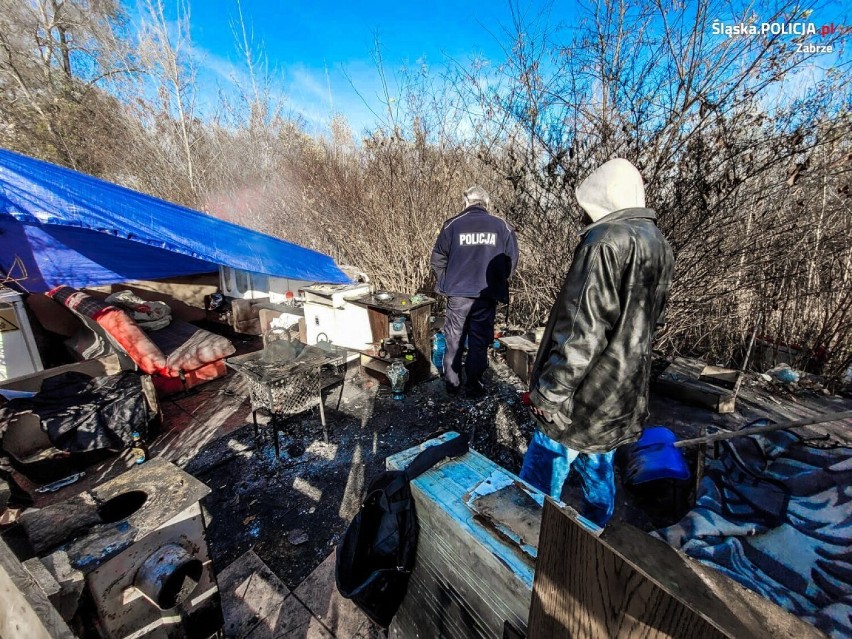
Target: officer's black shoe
[474, 390]
[452, 389]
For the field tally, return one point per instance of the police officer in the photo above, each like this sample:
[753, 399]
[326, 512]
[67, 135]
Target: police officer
[474, 256]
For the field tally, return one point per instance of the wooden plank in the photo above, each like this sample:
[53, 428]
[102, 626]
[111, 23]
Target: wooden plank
[762, 404]
[518, 342]
[693, 391]
[394, 305]
[251, 594]
[732, 608]
[521, 362]
[448, 596]
[376, 365]
[687, 366]
[680, 381]
[26, 611]
[107, 365]
[627, 584]
[71, 583]
[378, 324]
[511, 510]
[421, 336]
[45, 581]
[717, 374]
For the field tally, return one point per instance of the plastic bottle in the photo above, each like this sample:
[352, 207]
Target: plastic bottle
[139, 450]
[439, 347]
[498, 333]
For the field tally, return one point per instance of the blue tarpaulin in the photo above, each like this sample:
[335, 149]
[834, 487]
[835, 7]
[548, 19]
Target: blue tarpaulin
[69, 228]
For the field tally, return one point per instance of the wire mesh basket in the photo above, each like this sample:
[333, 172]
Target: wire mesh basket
[292, 386]
[298, 392]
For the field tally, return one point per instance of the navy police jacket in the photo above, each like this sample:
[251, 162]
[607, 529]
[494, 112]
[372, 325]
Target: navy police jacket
[475, 255]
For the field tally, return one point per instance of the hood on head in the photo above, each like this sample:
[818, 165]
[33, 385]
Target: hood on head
[613, 186]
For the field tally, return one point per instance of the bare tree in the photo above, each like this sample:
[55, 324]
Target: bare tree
[55, 56]
[746, 162]
[170, 110]
[699, 114]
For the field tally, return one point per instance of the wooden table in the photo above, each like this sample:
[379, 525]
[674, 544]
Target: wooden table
[380, 313]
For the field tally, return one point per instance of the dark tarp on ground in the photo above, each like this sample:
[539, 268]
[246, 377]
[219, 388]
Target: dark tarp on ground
[80, 413]
[74, 229]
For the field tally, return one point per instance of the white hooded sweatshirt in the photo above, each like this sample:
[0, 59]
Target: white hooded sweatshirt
[613, 186]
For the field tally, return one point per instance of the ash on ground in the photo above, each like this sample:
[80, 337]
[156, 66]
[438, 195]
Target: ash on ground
[293, 510]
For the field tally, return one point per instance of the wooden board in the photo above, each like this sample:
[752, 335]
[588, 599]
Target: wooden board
[680, 381]
[519, 342]
[521, 363]
[468, 581]
[717, 374]
[378, 324]
[761, 404]
[393, 306]
[26, 610]
[627, 584]
[513, 511]
[420, 335]
[106, 365]
[696, 392]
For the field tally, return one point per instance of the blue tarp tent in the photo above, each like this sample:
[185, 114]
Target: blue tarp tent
[70, 228]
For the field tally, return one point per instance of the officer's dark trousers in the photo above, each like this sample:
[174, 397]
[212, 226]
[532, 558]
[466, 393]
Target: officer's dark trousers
[471, 318]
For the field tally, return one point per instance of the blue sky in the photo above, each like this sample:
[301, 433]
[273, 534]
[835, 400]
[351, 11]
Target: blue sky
[321, 53]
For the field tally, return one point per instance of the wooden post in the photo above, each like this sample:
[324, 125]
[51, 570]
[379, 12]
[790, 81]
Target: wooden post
[26, 610]
[422, 343]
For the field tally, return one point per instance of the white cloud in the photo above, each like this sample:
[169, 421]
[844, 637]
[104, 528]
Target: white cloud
[315, 95]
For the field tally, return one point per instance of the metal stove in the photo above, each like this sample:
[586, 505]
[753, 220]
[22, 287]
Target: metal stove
[129, 558]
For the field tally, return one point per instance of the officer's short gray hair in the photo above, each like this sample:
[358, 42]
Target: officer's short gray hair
[477, 195]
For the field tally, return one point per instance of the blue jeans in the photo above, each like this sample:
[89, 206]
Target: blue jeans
[547, 464]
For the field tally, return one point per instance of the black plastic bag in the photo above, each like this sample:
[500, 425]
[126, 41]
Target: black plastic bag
[377, 554]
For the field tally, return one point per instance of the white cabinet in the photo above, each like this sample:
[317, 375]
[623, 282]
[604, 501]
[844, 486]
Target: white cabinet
[18, 352]
[328, 311]
[245, 285]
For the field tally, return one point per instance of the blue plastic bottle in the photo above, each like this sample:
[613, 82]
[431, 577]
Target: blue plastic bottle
[439, 347]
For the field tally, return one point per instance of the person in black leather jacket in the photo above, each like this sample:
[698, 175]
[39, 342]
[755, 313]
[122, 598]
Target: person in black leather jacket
[589, 383]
